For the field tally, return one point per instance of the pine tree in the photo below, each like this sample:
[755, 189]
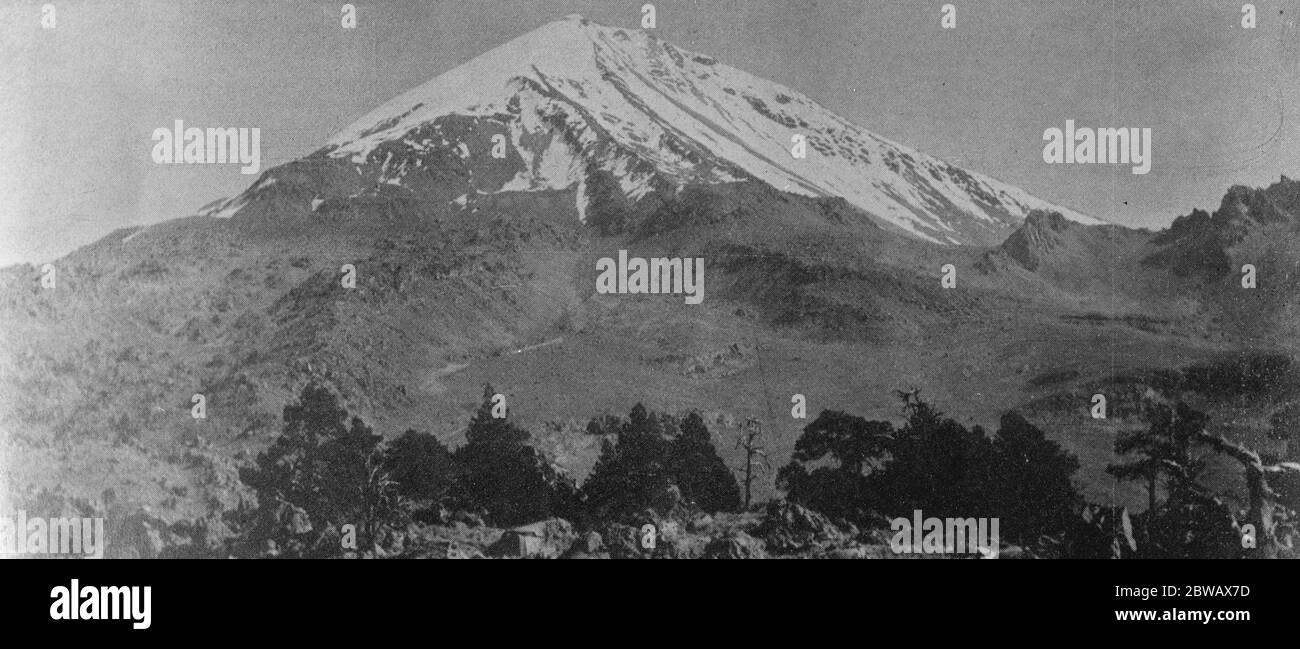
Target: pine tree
[1162, 450]
[330, 470]
[698, 471]
[503, 474]
[839, 448]
[421, 465]
[631, 470]
[650, 454]
[1035, 492]
[1192, 522]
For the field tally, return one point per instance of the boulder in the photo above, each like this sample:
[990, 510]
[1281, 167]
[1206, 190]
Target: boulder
[546, 539]
[468, 519]
[1014, 552]
[296, 520]
[699, 522]
[591, 543]
[622, 541]
[588, 546]
[854, 552]
[790, 528]
[675, 542]
[735, 545]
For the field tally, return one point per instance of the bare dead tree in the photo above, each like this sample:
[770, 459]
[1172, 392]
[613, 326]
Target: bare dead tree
[381, 505]
[756, 462]
[1263, 500]
[1167, 450]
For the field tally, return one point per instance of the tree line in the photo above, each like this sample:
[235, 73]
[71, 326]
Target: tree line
[328, 469]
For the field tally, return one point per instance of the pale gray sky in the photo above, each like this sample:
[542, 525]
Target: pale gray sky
[78, 103]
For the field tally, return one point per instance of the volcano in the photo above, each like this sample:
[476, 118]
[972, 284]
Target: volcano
[575, 106]
[471, 216]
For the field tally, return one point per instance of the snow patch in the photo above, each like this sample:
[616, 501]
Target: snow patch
[639, 108]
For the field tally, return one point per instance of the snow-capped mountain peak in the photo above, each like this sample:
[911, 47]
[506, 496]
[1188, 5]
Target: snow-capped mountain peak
[572, 98]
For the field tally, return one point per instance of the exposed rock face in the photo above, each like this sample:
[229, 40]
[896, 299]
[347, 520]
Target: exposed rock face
[1201, 244]
[1040, 234]
[790, 528]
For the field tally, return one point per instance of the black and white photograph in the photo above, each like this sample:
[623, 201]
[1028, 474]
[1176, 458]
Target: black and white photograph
[666, 279]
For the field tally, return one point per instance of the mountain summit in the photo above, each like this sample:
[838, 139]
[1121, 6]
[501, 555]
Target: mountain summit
[573, 100]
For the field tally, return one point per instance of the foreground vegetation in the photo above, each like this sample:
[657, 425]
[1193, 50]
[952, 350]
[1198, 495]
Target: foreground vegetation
[329, 486]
